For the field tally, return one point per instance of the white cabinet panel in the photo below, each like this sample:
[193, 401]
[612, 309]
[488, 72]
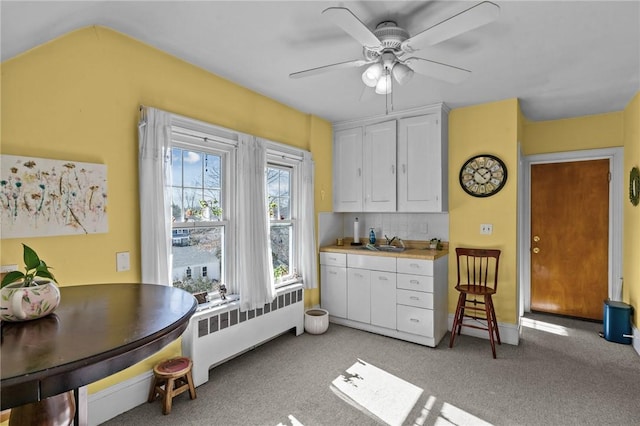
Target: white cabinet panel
[333, 259]
[415, 266]
[377, 263]
[347, 171]
[379, 167]
[422, 164]
[415, 298]
[359, 295]
[383, 299]
[415, 320]
[333, 290]
[415, 282]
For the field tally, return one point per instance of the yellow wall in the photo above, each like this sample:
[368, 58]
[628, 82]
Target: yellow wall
[573, 134]
[492, 129]
[77, 98]
[631, 235]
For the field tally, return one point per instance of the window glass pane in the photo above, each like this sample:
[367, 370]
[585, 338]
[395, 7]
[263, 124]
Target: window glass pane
[177, 212]
[197, 258]
[212, 171]
[281, 249]
[191, 203]
[176, 167]
[192, 165]
[279, 193]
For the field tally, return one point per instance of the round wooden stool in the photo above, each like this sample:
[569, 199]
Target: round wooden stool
[175, 375]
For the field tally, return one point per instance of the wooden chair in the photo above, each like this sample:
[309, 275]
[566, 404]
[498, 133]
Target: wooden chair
[477, 282]
[175, 375]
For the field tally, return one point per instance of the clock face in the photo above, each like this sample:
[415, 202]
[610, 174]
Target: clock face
[483, 175]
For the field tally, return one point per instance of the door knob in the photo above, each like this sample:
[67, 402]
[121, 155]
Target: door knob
[536, 238]
[536, 250]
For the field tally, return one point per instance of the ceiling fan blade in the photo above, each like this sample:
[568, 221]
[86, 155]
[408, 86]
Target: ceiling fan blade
[332, 67]
[443, 72]
[467, 20]
[353, 26]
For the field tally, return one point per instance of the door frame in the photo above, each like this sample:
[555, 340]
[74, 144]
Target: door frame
[616, 165]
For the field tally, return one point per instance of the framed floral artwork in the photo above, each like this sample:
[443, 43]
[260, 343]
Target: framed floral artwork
[42, 197]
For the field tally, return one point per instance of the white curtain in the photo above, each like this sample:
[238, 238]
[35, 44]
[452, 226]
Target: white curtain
[154, 138]
[307, 235]
[254, 269]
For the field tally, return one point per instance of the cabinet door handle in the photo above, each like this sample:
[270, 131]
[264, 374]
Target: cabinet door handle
[383, 278]
[358, 275]
[333, 258]
[414, 282]
[414, 298]
[393, 169]
[359, 172]
[333, 272]
[404, 168]
[414, 320]
[414, 265]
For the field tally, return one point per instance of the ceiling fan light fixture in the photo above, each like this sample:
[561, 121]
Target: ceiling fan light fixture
[402, 73]
[372, 74]
[384, 85]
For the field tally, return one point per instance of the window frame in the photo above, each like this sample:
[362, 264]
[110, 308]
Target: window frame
[278, 158]
[191, 137]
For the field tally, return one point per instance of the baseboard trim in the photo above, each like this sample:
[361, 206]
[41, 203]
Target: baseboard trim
[509, 333]
[636, 339]
[114, 400]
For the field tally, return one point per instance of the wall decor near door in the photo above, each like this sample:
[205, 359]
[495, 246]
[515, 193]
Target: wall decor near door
[634, 186]
[42, 197]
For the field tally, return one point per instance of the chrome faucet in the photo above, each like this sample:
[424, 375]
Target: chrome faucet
[389, 241]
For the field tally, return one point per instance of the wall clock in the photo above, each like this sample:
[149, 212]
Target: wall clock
[634, 186]
[483, 175]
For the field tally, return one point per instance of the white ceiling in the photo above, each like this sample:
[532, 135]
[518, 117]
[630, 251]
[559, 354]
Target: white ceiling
[560, 58]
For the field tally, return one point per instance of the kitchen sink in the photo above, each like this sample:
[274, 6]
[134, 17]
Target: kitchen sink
[386, 248]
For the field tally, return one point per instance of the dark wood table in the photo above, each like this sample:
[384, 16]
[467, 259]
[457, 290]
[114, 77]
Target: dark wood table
[97, 330]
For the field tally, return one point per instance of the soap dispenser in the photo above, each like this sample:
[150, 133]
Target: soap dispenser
[372, 236]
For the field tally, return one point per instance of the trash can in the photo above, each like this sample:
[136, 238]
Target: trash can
[617, 322]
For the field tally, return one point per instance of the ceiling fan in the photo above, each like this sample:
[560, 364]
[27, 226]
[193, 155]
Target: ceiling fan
[388, 48]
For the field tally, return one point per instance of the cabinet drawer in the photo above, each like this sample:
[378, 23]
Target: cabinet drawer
[415, 320]
[415, 282]
[414, 298]
[415, 266]
[333, 259]
[374, 263]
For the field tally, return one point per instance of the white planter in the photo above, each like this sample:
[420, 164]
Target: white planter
[316, 320]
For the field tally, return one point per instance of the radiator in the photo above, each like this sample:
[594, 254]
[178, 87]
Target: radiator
[218, 334]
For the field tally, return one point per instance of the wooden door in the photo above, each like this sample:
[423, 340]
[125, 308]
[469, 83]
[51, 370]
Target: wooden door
[570, 237]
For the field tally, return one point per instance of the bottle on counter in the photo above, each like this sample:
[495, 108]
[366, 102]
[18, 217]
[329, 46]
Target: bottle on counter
[372, 236]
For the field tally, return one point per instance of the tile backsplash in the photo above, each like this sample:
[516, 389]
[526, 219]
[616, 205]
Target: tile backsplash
[408, 226]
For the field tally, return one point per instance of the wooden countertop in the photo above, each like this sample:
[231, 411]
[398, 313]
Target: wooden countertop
[414, 250]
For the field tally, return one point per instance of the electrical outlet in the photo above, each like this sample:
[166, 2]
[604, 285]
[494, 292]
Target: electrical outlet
[486, 229]
[8, 268]
[122, 261]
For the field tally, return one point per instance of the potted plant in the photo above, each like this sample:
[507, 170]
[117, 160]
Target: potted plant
[30, 294]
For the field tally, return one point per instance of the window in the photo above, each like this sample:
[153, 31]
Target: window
[281, 198]
[198, 206]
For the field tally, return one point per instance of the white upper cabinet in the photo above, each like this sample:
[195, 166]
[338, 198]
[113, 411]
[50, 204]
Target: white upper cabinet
[397, 162]
[347, 171]
[379, 167]
[422, 164]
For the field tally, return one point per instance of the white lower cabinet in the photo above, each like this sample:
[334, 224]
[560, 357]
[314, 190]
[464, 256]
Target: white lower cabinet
[399, 297]
[358, 291]
[333, 283]
[383, 299]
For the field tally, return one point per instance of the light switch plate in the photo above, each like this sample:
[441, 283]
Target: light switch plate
[122, 261]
